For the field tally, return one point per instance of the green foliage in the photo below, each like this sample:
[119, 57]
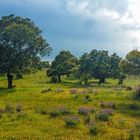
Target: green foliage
[62, 65]
[100, 65]
[54, 113]
[21, 44]
[102, 116]
[131, 64]
[72, 121]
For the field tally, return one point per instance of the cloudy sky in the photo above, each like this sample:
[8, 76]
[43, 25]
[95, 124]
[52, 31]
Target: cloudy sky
[82, 25]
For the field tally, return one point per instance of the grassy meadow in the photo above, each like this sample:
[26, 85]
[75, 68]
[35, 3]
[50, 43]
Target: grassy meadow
[34, 122]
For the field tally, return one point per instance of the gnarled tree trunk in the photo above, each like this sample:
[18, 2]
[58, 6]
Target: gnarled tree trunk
[10, 80]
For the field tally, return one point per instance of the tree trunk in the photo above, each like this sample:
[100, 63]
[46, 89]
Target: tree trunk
[102, 80]
[59, 78]
[10, 80]
[86, 81]
[120, 82]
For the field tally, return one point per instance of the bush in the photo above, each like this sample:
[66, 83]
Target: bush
[108, 111]
[102, 116]
[73, 91]
[93, 130]
[21, 115]
[64, 111]
[9, 109]
[72, 121]
[129, 88]
[85, 111]
[54, 113]
[134, 106]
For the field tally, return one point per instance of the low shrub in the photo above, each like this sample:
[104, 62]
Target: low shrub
[72, 121]
[54, 113]
[64, 111]
[94, 130]
[85, 111]
[102, 116]
[108, 111]
[73, 91]
[128, 88]
[134, 106]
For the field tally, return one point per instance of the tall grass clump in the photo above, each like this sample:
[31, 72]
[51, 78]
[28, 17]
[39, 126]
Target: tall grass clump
[72, 121]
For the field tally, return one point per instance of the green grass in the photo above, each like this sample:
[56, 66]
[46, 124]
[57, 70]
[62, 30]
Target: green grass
[31, 125]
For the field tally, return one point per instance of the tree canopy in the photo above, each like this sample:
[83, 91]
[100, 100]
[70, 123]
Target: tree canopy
[62, 65]
[21, 42]
[99, 65]
[131, 64]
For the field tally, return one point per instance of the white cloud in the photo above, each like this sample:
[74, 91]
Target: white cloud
[103, 24]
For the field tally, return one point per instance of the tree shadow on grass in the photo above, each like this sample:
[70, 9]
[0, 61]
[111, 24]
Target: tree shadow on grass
[6, 90]
[125, 109]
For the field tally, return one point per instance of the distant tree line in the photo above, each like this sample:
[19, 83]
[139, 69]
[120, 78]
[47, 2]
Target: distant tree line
[22, 46]
[96, 64]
